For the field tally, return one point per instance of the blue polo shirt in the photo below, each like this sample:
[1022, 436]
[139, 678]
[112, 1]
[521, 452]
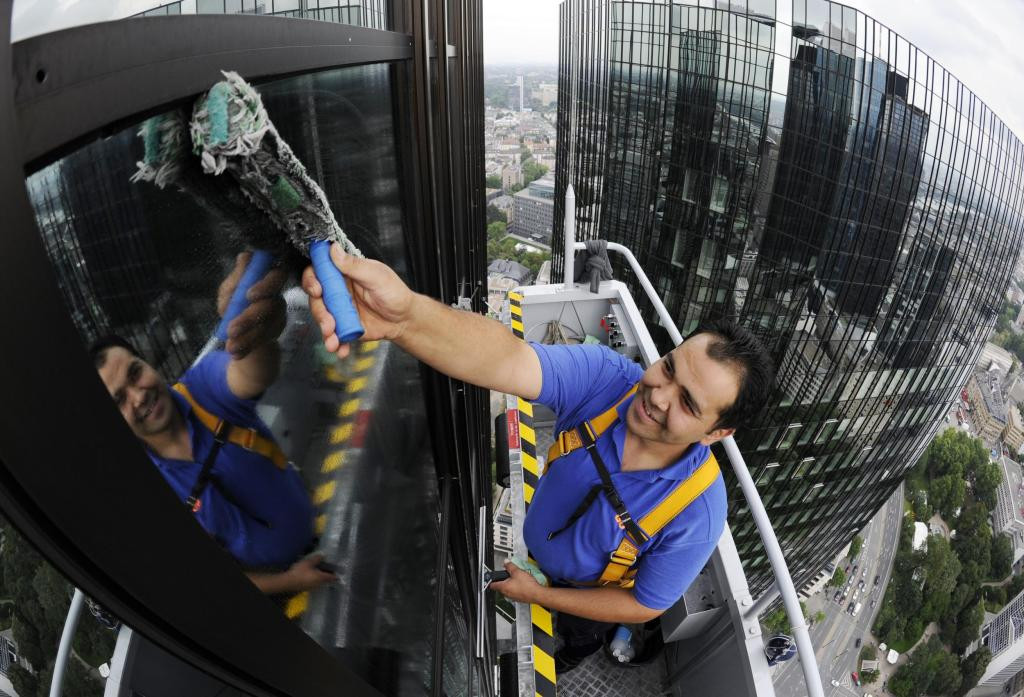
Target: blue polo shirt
[579, 383]
[262, 515]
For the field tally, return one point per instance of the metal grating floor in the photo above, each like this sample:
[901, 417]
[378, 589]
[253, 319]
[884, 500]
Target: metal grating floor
[597, 676]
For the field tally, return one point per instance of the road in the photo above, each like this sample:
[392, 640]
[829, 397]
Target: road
[834, 637]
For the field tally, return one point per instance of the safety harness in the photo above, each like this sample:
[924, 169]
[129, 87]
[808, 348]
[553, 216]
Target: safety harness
[621, 569]
[225, 432]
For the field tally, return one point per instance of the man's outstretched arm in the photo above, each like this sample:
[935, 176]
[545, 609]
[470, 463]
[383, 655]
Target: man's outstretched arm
[464, 345]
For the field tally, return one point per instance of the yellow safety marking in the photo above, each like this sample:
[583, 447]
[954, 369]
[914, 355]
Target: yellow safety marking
[544, 664]
[515, 296]
[517, 326]
[341, 434]
[527, 493]
[333, 374]
[333, 461]
[364, 364]
[320, 524]
[297, 604]
[368, 346]
[541, 618]
[525, 407]
[355, 385]
[527, 433]
[530, 464]
[349, 408]
[323, 493]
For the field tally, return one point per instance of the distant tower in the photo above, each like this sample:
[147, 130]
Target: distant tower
[519, 84]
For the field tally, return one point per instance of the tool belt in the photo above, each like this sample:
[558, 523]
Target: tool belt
[622, 564]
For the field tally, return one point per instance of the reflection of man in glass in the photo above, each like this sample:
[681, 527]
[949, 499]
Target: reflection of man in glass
[252, 501]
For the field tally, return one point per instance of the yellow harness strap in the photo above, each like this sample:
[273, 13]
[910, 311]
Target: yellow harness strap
[569, 440]
[247, 438]
[620, 569]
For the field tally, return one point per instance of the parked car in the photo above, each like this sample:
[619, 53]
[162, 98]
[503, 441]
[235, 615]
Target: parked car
[876, 579]
[855, 567]
[873, 601]
[836, 596]
[849, 608]
[860, 585]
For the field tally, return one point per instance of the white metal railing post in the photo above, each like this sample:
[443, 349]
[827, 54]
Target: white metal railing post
[783, 580]
[64, 650]
[570, 235]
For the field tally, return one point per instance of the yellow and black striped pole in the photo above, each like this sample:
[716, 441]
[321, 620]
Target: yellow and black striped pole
[543, 635]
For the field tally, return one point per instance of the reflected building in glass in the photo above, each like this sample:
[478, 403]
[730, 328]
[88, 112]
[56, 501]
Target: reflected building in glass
[810, 174]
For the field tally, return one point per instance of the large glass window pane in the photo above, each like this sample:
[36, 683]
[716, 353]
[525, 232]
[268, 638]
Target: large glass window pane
[154, 266]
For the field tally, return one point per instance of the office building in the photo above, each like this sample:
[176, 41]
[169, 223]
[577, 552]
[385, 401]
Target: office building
[533, 212]
[819, 204]
[1004, 637]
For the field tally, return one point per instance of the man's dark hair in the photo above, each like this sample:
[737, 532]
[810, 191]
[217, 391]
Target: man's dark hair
[98, 349]
[734, 345]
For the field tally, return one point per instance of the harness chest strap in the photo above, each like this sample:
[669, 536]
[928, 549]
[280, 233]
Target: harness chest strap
[620, 569]
[570, 440]
[246, 438]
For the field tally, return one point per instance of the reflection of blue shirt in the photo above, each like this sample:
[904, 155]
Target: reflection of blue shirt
[579, 383]
[259, 513]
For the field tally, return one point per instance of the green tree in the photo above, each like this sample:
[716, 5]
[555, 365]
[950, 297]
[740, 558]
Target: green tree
[968, 624]
[930, 670]
[941, 569]
[869, 677]
[533, 171]
[922, 508]
[494, 181]
[496, 231]
[987, 478]
[973, 544]
[946, 493]
[972, 668]
[777, 622]
[1015, 586]
[855, 546]
[867, 652]
[495, 214]
[25, 683]
[819, 616]
[1001, 557]
[838, 578]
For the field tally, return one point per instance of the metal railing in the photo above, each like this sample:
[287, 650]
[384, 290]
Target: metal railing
[783, 579]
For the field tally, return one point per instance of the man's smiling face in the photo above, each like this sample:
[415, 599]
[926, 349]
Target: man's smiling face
[139, 392]
[681, 396]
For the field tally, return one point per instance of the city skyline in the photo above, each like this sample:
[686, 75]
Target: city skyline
[829, 222]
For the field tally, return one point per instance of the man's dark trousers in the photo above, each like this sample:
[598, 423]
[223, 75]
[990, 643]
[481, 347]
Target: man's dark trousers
[582, 638]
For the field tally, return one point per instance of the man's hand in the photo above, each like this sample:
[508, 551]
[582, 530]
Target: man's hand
[264, 320]
[383, 301]
[305, 575]
[520, 586]
[300, 576]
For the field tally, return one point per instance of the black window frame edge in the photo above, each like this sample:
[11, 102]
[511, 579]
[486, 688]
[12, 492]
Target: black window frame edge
[46, 337]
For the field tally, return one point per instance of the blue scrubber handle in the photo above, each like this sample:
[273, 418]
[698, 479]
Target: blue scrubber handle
[257, 268]
[336, 296]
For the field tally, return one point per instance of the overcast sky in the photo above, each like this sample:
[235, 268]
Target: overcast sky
[980, 41]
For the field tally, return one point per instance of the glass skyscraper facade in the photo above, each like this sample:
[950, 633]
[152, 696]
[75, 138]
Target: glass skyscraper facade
[799, 168]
